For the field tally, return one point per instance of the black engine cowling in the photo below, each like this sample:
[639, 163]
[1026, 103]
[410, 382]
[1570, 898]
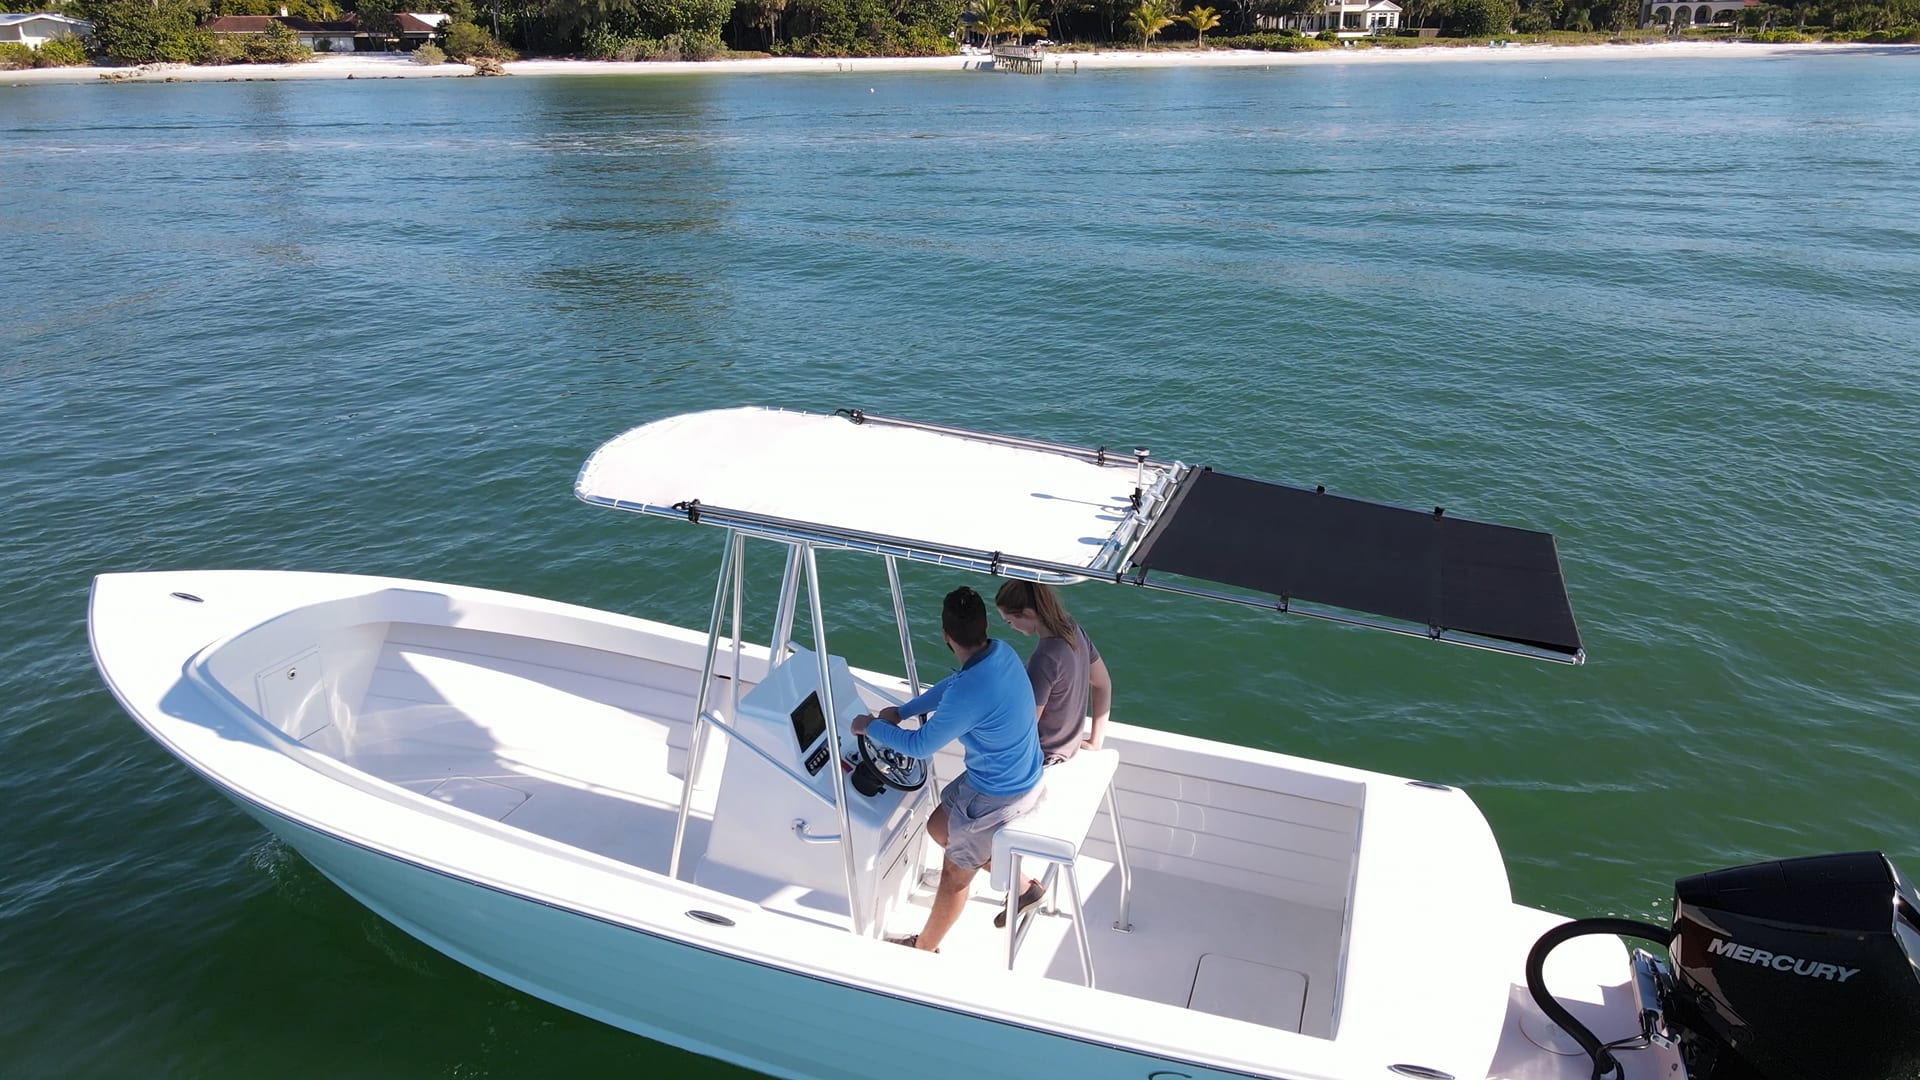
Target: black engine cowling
[1802, 969]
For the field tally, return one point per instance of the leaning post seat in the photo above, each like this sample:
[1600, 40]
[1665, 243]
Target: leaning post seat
[1053, 832]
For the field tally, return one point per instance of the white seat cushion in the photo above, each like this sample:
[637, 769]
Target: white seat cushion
[1055, 827]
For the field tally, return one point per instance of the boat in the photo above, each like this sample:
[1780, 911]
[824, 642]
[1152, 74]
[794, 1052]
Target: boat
[671, 830]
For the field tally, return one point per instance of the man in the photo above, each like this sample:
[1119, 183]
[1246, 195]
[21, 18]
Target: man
[988, 706]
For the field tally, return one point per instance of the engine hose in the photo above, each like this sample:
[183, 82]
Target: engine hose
[1603, 1059]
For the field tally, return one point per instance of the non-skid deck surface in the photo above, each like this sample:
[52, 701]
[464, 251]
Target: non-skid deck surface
[580, 757]
[1193, 944]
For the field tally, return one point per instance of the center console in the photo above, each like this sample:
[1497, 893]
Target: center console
[774, 807]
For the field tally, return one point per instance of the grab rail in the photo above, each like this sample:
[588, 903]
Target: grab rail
[1096, 455]
[800, 830]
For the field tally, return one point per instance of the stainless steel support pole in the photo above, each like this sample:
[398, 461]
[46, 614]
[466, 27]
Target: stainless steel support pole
[695, 744]
[739, 642]
[1013, 907]
[783, 610]
[777, 765]
[932, 791]
[855, 909]
[900, 620]
[1124, 923]
[1080, 926]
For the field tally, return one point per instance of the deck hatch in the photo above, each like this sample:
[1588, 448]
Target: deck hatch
[1274, 997]
[488, 798]
[293, 694]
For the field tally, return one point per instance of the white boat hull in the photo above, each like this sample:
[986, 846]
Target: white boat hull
[291, 694]
[690, 997]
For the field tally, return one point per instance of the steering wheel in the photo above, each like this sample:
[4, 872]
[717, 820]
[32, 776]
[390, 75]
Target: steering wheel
[900, 772]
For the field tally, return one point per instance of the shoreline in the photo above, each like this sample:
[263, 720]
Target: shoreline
[401, 65]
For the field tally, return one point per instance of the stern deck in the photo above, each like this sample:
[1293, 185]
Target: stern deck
[1194, 945]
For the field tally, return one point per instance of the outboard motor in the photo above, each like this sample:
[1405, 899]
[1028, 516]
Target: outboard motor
[1802, 969]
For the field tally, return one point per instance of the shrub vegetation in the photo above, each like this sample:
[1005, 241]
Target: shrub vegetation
[61, 52]
[148, 31]
[871, 28]
[465, 41]
[278, 45]
[1271, 41]
[1485, 18]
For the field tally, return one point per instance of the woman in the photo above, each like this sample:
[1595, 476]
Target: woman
[1070, 681]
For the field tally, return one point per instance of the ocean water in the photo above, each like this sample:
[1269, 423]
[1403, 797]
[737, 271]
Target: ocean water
[1666, 310]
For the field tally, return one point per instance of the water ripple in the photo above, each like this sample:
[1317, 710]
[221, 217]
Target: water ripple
[1664, 310]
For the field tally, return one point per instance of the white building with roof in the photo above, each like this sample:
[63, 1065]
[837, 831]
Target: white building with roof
[1348, 18]
[1679, 14]
[36, 28]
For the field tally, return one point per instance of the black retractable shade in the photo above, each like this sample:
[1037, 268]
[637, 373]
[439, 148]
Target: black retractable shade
[1424, 567]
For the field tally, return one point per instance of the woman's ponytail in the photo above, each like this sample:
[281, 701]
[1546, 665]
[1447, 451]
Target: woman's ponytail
[1045, 604]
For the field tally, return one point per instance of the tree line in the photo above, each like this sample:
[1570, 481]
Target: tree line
[141, 31]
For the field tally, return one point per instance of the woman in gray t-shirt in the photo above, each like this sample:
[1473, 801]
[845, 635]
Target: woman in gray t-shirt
[1070, 681]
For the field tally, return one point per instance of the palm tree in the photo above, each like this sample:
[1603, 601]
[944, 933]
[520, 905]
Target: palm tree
[1148, 19]
[1202, 19]
[1303, 11]
[766, 15]
[993, 19]
[1025, 19]
[1418, 11]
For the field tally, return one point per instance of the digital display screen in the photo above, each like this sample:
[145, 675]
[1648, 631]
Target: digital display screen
[809, 723]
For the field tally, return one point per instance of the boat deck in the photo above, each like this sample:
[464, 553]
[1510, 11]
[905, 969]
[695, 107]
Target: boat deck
[1225, 951]
[444, 717]
[588, 749]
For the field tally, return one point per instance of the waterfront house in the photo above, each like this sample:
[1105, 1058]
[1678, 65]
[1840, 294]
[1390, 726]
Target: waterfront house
[419, 29]
[1654, 13]
[34, 29]
[340, 35]
[1348, 18]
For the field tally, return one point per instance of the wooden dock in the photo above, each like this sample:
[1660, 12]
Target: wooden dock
[1019, 59]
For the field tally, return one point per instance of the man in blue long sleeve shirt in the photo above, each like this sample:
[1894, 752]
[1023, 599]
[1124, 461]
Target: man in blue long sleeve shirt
[988, 706]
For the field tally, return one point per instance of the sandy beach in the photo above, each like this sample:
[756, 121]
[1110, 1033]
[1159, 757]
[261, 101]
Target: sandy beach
[401, 66]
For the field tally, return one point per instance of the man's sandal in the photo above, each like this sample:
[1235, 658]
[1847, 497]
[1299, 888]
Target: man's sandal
[1034, 894]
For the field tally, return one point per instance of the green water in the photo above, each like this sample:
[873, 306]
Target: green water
[1665, 310]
